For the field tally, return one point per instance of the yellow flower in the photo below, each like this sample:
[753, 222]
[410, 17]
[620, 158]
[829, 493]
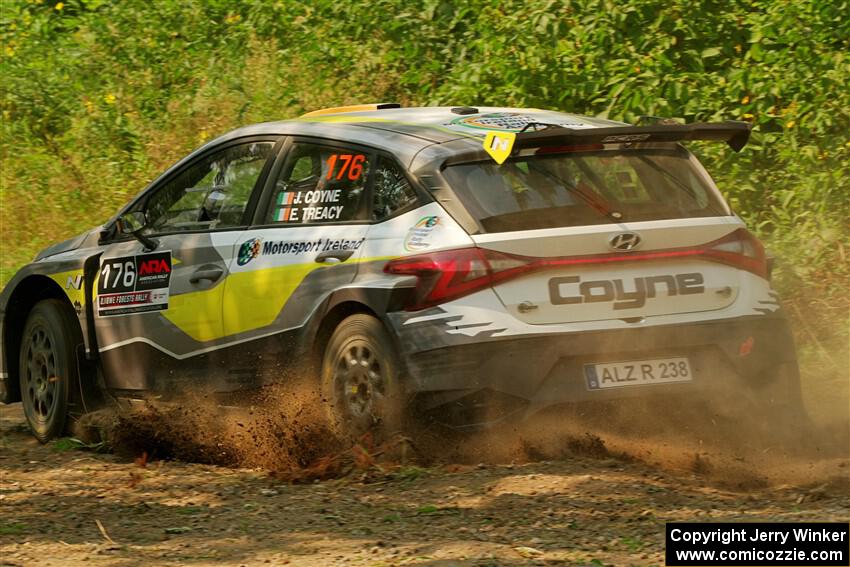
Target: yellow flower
[232, 18]
[748, 116]
[109, 98]
[790, 124]
[203, 136]
[58, 6]
[746, 99]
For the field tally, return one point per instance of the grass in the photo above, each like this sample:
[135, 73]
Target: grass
[72, 444]
[13, 528]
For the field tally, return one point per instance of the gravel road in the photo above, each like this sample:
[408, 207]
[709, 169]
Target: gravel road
[64, 506]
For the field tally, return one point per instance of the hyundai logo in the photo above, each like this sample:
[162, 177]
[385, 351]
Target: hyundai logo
[625, 241]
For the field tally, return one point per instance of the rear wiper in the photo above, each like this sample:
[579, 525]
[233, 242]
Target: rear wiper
[688, 189]
[595, 201]
[600, 201]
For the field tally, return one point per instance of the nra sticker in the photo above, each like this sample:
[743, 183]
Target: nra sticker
[419, 235]
[133, 284]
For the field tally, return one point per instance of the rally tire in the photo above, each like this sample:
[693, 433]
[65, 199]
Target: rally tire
[48, 367]
[775, 414]
[361, 387]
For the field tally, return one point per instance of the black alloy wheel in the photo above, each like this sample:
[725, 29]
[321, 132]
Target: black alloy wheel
[48, 367]
[360, 379]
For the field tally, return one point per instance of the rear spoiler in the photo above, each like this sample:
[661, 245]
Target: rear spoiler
[500, 144]
[732, 132]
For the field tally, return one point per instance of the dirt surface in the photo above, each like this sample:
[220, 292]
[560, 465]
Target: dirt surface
[63, 506]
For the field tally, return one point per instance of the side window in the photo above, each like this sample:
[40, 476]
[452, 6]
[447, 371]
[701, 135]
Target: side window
[320, 184]
[392, 191]
[211, 193]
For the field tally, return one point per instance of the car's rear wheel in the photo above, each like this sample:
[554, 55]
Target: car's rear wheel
[48, 367]
[779, 406]
[360, 379]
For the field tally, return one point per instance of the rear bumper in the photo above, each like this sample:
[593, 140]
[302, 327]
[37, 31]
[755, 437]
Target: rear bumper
[539, 371]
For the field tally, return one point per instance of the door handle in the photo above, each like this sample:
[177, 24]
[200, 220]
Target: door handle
[334, 256]
[206, 273]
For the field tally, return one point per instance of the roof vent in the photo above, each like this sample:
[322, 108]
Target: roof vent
[465, 110]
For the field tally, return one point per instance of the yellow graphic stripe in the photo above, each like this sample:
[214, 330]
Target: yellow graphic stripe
[72, 283]
[358, 119]
[243, 302]
[339, 109]
[198, 313]
[254, 299]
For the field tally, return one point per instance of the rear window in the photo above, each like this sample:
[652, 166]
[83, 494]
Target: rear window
[583, 188]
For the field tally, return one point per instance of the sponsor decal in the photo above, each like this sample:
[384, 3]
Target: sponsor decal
[622, 138]
[342, 244]
[419, 235]
[249, 250]
[499, 145]
[255, 247]
[507, 122]
[134, 284]
[74, 282]
[599, 291]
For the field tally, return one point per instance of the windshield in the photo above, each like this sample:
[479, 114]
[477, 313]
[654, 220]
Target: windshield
[550, 190]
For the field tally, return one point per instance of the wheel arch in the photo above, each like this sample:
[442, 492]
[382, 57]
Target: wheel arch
[27, 293]
[331, 319]
[345, 302]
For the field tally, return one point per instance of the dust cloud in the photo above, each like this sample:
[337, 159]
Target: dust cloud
[285, 431]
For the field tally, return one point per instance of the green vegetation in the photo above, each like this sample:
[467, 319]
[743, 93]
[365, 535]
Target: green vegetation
[13, 528]
[64, 444]
[99, 97]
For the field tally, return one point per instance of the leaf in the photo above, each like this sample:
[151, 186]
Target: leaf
[178, 530]
[711, 52]
[528, 551]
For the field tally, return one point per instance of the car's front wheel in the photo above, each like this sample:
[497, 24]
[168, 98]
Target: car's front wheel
[48, 367]
[360, 379]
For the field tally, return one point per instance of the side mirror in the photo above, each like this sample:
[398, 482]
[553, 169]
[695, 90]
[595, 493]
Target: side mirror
[133, 223]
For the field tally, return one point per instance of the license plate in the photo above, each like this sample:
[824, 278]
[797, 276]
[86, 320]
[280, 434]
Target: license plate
[637, 373]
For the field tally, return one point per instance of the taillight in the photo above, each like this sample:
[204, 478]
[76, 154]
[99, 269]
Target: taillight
[450, 274]
[740, 249]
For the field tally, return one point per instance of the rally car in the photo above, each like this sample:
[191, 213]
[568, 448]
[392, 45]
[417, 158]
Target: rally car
[451, 257]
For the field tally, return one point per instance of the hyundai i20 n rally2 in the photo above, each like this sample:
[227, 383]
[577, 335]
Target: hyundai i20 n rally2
[411, 259]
